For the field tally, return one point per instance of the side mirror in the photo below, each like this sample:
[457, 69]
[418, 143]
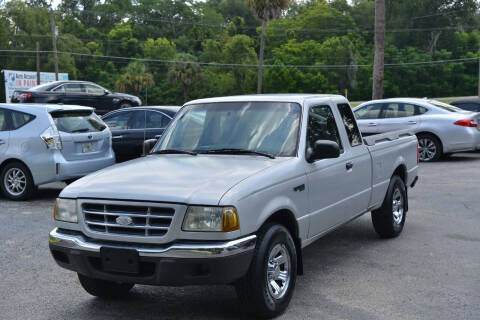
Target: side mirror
[323, 149]
[148, 146]
[106, 92]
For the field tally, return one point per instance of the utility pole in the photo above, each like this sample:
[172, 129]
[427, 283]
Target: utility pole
[38, 62]
[479, 77]
[54, 43]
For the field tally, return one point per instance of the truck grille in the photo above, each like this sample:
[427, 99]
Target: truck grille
[130, 220]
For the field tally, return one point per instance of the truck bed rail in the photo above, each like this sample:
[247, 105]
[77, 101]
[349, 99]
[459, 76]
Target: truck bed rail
[388, 136]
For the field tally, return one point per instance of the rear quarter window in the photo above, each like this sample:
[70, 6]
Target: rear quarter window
[19, 119]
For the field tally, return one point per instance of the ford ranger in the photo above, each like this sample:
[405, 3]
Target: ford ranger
[231, 194]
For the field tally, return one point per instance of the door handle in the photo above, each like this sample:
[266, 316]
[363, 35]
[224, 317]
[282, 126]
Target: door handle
[372, 124]
[117, 137]
[412, 122]
[349, 165]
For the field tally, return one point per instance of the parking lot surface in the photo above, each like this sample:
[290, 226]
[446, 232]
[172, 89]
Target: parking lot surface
[432, 271]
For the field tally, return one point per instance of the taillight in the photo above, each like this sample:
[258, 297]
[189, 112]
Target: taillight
[51, 137]
[466, 123]
[25, 96]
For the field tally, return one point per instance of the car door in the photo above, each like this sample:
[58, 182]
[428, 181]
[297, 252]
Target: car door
[156, 122]
[135, 135]
[4, 134]
[398, 116]
[326, 178]
[367, 118]
[98, 98]
[75, 94]
[119, 123]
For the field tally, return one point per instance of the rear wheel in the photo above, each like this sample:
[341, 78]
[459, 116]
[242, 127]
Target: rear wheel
[16, 182]
[267, 288]
[430, 147]
[389, 219]
[103, 288]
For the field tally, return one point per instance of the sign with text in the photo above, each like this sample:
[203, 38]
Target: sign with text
[23, 80]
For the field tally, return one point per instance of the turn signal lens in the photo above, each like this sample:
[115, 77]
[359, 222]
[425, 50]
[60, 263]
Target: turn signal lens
[466, 123]
[230, 221]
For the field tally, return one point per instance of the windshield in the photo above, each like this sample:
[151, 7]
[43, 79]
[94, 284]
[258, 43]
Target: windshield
[268, 127]
[43, 87]
[444, 106]
[78, 122]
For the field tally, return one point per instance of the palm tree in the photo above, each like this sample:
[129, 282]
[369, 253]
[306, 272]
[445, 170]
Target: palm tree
[379, 60]
[186, 71]
[265, 10]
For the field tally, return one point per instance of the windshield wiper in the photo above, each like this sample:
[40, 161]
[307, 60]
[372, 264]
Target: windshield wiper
[80, 130]
[174, 151]
[239, 151]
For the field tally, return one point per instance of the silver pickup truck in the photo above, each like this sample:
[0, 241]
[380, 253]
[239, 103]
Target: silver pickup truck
[230, 194]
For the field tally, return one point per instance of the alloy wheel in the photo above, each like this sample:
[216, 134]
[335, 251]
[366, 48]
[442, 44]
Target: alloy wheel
[428, 149]
[15, 181]
[397, 206]
[278, 271]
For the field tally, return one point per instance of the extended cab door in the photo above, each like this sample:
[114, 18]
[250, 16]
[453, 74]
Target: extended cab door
[327, 179]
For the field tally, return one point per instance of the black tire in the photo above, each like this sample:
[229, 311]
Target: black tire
[105, 289]
[25, 181]
[125, 104]
[428, 142]
[386, 222]
[252, 290]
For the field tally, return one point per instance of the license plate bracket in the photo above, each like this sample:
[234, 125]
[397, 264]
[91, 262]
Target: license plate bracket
[119, 260]
[87, 147]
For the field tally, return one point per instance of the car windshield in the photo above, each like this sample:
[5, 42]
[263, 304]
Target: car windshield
[43, 87]
[264, 127]
[444, 106]
[77, 122]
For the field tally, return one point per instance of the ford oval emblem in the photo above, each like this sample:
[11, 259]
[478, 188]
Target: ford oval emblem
[124, 221]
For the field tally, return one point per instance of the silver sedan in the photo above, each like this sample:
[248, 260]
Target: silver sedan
[441, 128]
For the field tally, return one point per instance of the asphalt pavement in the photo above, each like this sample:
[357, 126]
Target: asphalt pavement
[432, 271]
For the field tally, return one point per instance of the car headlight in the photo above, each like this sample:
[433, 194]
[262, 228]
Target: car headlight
[219, 219]
[65, 210]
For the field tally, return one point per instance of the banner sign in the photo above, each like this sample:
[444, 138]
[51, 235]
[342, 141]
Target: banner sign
[23, 80]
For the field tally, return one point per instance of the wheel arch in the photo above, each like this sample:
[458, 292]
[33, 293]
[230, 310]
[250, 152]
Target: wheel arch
[401, 171]
[12, 160]
[432, 134]
[287, 219]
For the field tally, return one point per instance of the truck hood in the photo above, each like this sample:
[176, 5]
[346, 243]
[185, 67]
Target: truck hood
[201, 179]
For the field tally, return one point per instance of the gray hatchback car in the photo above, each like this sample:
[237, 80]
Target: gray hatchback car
[45, 143]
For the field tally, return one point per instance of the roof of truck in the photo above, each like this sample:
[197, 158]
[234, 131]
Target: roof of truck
[286, 97]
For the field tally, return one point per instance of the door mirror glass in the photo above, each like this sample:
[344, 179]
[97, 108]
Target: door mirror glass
[148, 145]
[323, 149]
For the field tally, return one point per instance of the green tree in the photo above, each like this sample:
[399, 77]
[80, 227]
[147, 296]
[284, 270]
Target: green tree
[160, 48]
[240, 50]
[265, 10]
[186, 71]
[135, 79]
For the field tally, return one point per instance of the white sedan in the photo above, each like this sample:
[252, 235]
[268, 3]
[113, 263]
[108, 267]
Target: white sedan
[441, 128]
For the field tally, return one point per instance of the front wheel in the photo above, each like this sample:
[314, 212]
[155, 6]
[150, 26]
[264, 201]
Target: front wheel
[103, 288]
[389, 219]
[267, 288]
[430, 147]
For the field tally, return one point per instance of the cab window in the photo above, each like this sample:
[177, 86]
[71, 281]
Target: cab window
[322, 126]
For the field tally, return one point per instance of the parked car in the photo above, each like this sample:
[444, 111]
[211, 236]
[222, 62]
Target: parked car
[132, 126]
[232, 192]
[44, 143]
[441, 128]
[82, 93]
[469, 104]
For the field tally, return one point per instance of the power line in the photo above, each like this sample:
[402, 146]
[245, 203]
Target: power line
[214, 64]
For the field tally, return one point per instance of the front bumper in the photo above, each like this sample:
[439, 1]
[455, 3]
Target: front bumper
[188, 263]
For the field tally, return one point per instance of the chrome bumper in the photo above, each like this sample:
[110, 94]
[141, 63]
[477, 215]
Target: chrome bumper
[177, 250]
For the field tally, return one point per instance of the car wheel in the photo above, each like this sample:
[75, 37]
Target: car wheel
[16, 182]
[125, 104]
[268, 286]
[389, 219]
[430, 148]
[104, 288]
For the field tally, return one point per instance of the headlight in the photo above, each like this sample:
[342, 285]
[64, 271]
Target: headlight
[65, 210]
[220, 219]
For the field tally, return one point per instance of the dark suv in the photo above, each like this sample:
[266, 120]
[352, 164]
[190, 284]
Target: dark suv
[81, 93]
